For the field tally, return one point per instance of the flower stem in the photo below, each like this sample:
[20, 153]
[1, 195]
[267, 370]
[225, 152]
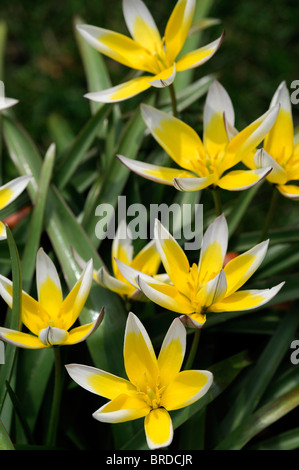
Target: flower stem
[173, 100]
[53, 424]
[192, 353]
[270, 214]
[217, 201]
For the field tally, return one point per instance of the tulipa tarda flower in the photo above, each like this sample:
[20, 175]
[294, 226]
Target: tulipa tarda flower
[8, 193]
[279, 149]
[205, 163]
[146, 262]
[50, 318]
[147, 51]
[155, 386]
[207, 287]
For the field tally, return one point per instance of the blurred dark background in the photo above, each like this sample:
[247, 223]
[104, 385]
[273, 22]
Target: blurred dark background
[43, 69]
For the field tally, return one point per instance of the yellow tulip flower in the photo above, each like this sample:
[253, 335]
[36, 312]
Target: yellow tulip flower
[8, 193]
[196, 290]
[50, 318]
[146, 262]
[155, 386]
[146, 50]
[279, 149]
[205, 163]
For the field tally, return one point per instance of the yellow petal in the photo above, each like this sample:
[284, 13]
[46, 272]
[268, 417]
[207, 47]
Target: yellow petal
[166, 296]
[122, 249]
[48, 285]
[174, 260]
[178, 139]
[122, 288]
[98, 381]
[199, 56]
[279, 141]
[117, 46]
[2, 231]
[155, 173]
[239, 180]
[186, 388]
[10, 191]
[158, 428]
[177, 27]
[21, 340]
[122, 408]
[249, 138]
[246, 300]
[172, 352]
[141, 24]
[290, 191]
[213, 250]
[139, 356]
[121, 92]
[81, 333]
[241, 268]
[147, 260]
[74, 302]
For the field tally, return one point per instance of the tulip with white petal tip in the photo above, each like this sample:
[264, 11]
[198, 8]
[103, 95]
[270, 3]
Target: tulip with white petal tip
[146, 50]
[51, 317]
[208, 162]
[155, 386]
[209, 286]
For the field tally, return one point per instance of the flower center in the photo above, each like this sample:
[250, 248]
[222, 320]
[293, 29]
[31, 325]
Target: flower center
[52, 336]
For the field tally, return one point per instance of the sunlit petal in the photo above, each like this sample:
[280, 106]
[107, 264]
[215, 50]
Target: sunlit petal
[148, 259]
[178, 26]
[74, 302]
[250, 137]
[121, 92]
[186, 388]
[213, 249]
[98, 381]
[290, 191]
[139, 356]
[174, 259]
[199, 56]
[241, 268]
[10, 191]
[122, 408]
[164, 78]
[141, 24]
[155, 173]
[172, 300]
[279, 141]
[122, 248]
[158, 428]
[172, 352]
[178, 139]
[81, 333]
[48, 284]
[23, 340]
[239, 180]
[246, 300]
[116, 46]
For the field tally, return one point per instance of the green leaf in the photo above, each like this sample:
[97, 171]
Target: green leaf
[109, 186]
[5, 442]
[37, 218]
[15, 322]
[260, 420]
[262, 373]
[79, 147]
[288, 440]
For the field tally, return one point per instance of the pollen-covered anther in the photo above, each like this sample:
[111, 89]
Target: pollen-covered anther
[52, 336]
